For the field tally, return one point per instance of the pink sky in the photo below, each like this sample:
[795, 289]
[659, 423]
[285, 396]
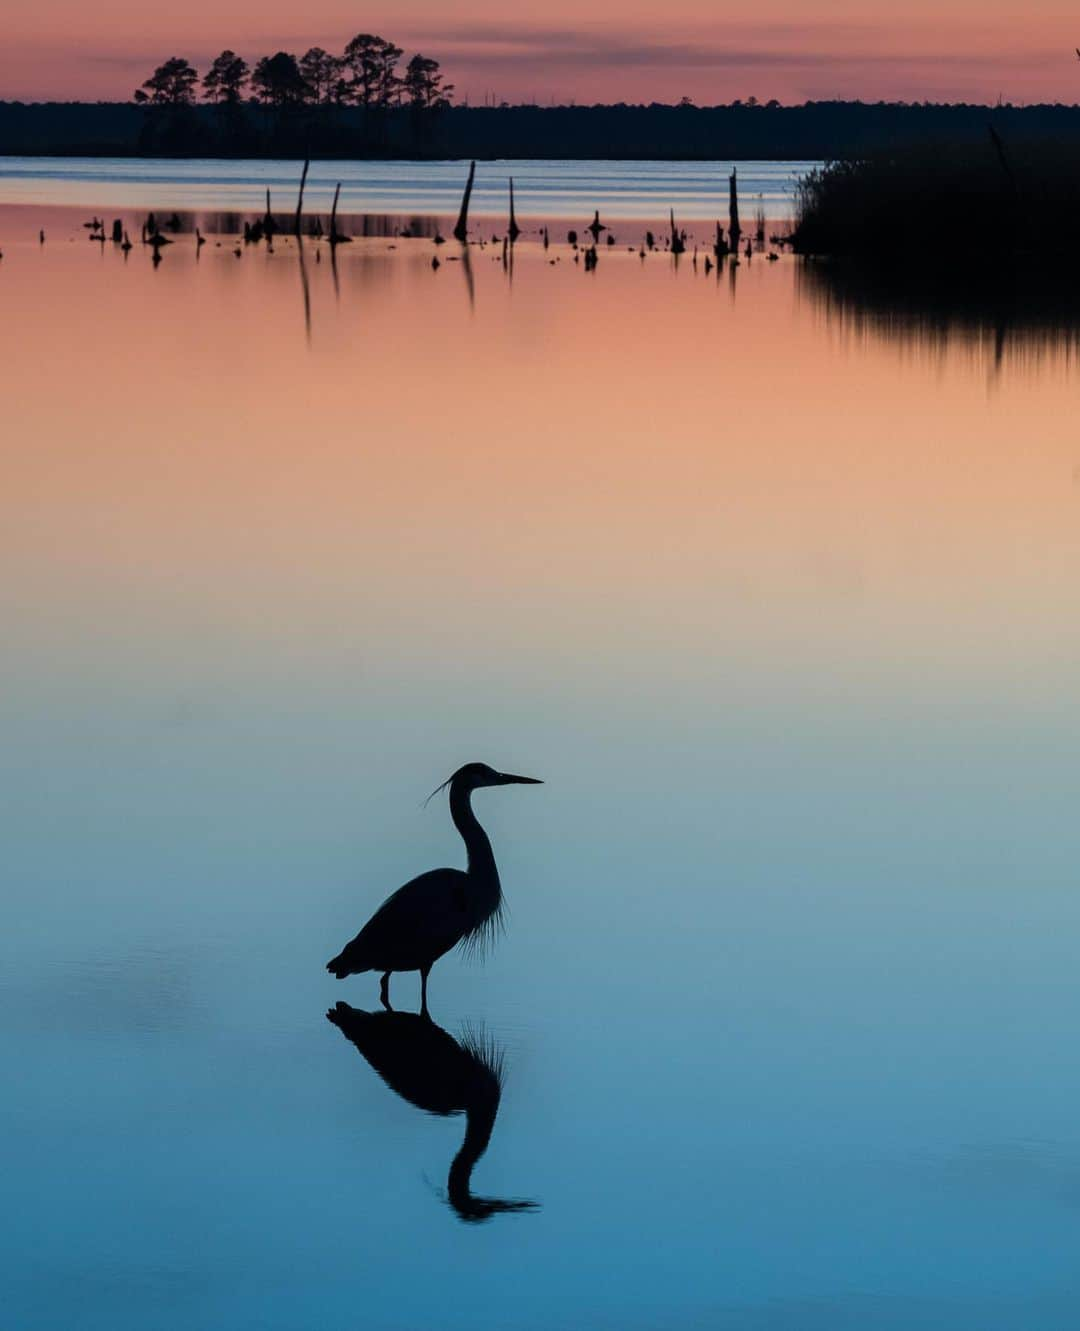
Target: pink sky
[710, 50]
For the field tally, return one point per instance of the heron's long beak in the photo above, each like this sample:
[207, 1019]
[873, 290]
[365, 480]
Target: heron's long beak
[505, 779]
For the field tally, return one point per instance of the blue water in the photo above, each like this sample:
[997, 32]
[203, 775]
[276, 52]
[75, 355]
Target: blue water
[786, 621]
[644, 190]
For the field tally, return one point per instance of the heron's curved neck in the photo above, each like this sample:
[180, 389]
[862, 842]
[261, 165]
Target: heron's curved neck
[479, 1122]
[481, 856]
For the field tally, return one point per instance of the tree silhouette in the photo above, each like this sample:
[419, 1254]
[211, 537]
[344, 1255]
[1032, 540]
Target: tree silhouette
[322, 72]
[423, 84]
[277, 81]
[373, 62]
[171, 84]
[360, 59]
[389, 85]
[225, 79]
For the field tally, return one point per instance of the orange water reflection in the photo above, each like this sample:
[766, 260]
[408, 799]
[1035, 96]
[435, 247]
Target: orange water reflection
[605, 476]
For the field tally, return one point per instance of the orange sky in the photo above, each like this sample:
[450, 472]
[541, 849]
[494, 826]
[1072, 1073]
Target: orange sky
[713, 51]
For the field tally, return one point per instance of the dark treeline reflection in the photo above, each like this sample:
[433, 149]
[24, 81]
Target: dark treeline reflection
[1021, 308]
[425, 1065]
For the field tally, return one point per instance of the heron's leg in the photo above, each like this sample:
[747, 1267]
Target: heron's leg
[384, 991]
[423, 992]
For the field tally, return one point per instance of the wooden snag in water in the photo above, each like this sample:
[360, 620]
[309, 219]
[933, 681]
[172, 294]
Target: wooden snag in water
[300, 197]
[461, 230]
[513, 231]
[734, 230]
[677, 245]
[336, 238]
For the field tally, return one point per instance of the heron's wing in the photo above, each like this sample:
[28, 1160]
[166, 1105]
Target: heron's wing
[416, 924]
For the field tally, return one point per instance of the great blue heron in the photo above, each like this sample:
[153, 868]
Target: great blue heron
[426, 1066]
[424, 919]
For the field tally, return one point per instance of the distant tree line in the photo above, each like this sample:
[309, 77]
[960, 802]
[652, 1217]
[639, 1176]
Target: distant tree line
[814, 130]
[365, 74]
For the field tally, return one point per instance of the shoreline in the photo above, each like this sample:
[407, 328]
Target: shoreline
[742, 132]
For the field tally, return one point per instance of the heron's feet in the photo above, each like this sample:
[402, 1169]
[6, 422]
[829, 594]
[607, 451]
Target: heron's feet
[384, 991]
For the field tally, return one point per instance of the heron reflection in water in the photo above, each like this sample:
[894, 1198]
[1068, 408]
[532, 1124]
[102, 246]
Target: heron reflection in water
[423, 920]
[426, 1066]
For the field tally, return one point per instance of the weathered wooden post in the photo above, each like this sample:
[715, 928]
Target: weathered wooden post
[335, 237]
[300, 197]
[514, 230]
[734, 230]
[461, 231]
[677, 244]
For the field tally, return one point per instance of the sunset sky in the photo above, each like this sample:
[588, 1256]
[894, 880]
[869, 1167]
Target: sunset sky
[972, 50]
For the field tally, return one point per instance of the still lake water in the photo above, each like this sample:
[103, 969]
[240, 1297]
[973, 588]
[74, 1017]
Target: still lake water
[781, 603]
[545, 189]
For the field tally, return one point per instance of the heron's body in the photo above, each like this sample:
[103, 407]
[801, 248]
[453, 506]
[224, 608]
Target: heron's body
[422, 921]
[413, 928]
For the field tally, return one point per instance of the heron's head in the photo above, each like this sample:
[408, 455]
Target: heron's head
[474, 776]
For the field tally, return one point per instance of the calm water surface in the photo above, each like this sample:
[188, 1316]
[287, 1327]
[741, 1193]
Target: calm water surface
[545, 189]
[780, 603]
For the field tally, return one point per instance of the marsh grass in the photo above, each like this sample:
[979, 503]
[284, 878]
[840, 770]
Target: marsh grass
[942, 207]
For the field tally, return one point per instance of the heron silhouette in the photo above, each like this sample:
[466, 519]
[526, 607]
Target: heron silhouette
[423, 920]
[426, 1066]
